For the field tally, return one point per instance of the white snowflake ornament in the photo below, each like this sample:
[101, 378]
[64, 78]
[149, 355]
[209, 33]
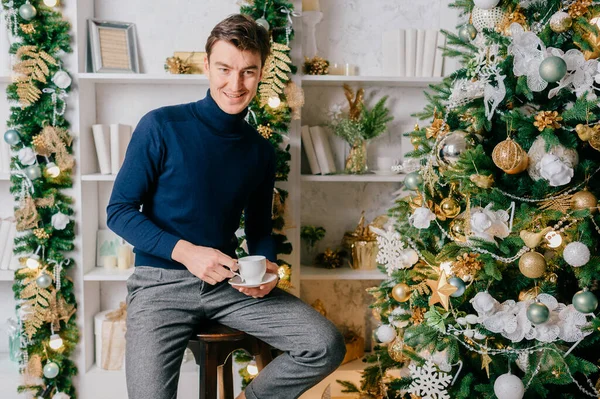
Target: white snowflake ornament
[392, 254]
[428, 382]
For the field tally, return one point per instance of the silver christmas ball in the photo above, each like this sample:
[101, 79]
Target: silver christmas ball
[12, 137]
[467, 32]
[509, 386]
[264, 23]
[33, 172]
[452, 146]
[560, 22]
[584, 301]
[44, 280]
[553, 69]
[576, 254]
[459, 284]
[413, 180]
[538, 313]
[51, 370]
[27, 11]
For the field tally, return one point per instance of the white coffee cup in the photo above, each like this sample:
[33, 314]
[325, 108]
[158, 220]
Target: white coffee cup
[386, 163]
[252, 268]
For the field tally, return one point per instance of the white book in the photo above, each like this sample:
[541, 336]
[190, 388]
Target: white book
[390, 48]
[438, 65]
[101, 135]
[5, 150]
[402, 53]
[323, 149]
[4, 229]
[120, 136]
[8, 249]
[309, 149]
[5, 67]
[420, 47]
[411, 52]
[429, 52]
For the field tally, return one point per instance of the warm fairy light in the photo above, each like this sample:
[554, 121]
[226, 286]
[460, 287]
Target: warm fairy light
[51, 3]
[52, 169]
[56, 341]
[33, 262]
[274, 102]
[554, 239]
[251, 368]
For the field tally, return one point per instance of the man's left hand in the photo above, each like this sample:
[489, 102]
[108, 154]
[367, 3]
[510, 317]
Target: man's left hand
[264, 289]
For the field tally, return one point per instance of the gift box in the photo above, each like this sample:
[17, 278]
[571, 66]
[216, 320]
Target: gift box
[109, 331]
[355, 348]
[194, 58]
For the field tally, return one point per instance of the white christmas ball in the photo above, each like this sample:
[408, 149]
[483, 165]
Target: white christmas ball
[576, 254]
[483, 18]
[26, 156]
[385, 333]
[62, 79]
[60, 221]
[410, 256]
[486, 4]
[509, 386]
[567, 156]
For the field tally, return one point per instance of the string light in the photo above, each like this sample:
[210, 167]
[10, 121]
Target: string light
[33, 261]
[56, 342]
[51, 3]
[274, 102]
[52, 169]
[251, 368]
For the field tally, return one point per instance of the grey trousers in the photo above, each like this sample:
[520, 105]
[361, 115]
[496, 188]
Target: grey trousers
[166, 306]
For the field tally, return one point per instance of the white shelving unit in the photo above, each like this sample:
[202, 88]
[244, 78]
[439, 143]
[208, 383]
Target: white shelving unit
[125, 98]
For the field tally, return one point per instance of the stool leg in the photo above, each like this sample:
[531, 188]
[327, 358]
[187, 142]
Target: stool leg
[227, 379]
[264, 355]
[208, 373]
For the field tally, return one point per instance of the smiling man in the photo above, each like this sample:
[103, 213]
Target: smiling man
[193, 169]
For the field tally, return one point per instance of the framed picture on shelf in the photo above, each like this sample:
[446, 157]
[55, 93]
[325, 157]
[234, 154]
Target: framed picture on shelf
[112, 47]
[107, 244]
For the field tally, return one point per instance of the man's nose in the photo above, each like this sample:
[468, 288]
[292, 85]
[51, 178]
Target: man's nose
[238, 81]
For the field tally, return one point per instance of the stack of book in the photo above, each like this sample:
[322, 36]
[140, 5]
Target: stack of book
[4, 157]
[413, 52]
[315, 141]
[8, 232]
[111, 144]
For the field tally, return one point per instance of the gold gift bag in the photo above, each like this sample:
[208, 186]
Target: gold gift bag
[362, 244]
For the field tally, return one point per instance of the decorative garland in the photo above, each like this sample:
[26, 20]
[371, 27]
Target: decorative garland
[41, 166]
[278, 102]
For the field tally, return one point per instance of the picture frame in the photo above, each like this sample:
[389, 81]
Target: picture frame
[112, 47]
[107, 244]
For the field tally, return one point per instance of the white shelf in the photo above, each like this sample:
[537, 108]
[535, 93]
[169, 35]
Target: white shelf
[102, 274]
[5, 79]
[342, 273]
[7, 275]
[369, 177]
[9, 377]
[397, 81]
[98, 177]
[4, 176]
[143, 78]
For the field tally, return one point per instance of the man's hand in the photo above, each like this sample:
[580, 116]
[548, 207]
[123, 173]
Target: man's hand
[208, 264]
[264, 289]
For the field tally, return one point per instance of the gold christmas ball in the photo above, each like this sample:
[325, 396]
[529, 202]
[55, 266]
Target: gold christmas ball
[401, 292]
[551, 278]
[457, 230]
[584, 200]
[450, 207]
[395, 350]
[510, 157]
[530, 294]
[560, 22]
[532, 264]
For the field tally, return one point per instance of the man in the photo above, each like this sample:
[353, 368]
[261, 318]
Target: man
[194, 168]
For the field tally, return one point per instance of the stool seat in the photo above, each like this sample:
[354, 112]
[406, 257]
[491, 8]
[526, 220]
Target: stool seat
[212, 344]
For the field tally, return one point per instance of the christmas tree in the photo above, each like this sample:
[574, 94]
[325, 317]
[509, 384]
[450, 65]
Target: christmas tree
[492, 257]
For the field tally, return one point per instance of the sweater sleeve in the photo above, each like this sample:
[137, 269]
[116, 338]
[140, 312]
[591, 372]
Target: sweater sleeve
[258, 215]
[136, 179]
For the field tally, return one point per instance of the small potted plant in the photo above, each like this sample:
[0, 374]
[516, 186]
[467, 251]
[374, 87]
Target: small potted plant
[311, 235]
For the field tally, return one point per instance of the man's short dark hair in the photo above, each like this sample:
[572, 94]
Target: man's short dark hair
[244, 33]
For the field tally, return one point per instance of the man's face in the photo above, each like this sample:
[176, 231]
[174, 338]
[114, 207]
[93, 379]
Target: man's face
[233, 76]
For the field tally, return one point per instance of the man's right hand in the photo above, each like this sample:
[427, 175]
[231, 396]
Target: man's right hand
[208, 264]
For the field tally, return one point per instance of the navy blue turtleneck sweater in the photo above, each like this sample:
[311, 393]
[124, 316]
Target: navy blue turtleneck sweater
[193, 169]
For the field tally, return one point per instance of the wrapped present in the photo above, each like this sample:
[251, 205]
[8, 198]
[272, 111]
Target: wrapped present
[195, 59]
[110, 327]
[355, 347]
[362, 244]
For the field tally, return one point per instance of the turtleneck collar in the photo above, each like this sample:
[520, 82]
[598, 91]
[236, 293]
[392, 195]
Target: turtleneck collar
[221, 122]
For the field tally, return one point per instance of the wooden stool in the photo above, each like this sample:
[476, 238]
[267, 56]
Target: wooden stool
[211, 345]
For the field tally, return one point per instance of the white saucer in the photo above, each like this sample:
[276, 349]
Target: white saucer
[384, 172]
[237, 281]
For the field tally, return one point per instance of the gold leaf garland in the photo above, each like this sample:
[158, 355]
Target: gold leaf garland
[274, 73]
[27, 215]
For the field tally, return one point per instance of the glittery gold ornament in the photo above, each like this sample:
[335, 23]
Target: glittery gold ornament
[510, 157]
[418, 315]
[482, 181]
[396, 350]
[579, 7]
[28, 29]
[560, 22]
[516, 17]
[176, 65]
[589, 134]
[551, 278]
[265, 131]
[532, 264]
[466, 264]
[331, 259]
[545, 119]
[41, 234]
[285, 277]
[401, 292]
[457, 230]
[294, 96]
[530, 294]
[584, 200]
[450, 207]
[438, 126]
[316, 66]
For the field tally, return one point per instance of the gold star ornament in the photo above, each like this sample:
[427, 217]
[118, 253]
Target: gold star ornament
[441, 290]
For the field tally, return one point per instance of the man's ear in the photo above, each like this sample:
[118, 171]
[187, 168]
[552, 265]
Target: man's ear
[206, 65]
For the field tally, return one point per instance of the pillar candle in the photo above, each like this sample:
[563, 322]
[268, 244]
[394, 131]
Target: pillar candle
[123, 257]
[110, 262]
